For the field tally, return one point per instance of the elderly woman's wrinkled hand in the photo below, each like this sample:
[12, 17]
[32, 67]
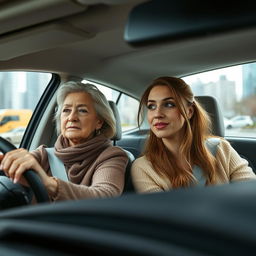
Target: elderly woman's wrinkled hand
[16, 162]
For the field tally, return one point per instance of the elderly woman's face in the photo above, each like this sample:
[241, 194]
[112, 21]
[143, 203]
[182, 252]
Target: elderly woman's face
[78, 118]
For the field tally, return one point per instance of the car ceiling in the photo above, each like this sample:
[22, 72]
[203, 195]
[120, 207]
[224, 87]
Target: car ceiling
[84, 39]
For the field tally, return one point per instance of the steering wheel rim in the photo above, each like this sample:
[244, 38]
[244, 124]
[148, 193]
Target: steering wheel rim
[31, 176]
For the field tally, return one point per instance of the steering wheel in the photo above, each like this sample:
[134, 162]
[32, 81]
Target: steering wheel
[12, 194]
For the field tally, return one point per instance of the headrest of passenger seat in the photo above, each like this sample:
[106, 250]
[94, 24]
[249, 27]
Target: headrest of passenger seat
[118, 134]
[212, 107]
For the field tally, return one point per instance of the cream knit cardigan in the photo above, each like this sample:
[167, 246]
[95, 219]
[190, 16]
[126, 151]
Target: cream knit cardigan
[231, 167]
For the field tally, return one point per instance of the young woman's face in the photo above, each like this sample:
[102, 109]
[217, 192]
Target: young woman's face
[165, 119]
[78, 118]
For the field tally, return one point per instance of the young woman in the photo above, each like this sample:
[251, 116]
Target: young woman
[85, 124]
[178, 149]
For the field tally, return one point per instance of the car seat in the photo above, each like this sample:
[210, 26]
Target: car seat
[128, 187]
[210, 104]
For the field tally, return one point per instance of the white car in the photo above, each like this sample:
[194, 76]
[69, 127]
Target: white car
[238, 122]
[227, 123]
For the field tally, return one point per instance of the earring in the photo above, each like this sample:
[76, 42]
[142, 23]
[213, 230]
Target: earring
[97, 132]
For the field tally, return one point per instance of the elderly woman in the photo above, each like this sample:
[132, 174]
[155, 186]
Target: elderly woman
[94, 167]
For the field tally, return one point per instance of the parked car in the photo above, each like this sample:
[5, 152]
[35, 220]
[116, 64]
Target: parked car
[121, 46]
[239, 122]
[14, 135]
[227, 123]
[14, 118]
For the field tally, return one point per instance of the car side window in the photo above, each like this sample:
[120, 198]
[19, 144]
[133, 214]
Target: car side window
[235, 89]
[127, 106]
[19, 94]
[128, 109]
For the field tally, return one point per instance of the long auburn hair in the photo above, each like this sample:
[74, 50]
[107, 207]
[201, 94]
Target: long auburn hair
[192, 149]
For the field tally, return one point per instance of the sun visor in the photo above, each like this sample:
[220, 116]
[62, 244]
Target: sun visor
[40, 38]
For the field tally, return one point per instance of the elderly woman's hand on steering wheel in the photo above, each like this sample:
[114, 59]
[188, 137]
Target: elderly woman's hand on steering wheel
[16, 162]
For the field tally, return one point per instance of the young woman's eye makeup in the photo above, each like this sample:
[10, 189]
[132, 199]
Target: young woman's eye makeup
[151, 106]
[164, 104]
[169, 104]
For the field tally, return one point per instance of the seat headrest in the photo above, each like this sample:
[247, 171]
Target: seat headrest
[212, 107]
[118, 134]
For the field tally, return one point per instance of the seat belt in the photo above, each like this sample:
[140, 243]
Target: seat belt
[57, 167]
[212, 144]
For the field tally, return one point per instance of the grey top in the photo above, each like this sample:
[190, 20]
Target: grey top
[212, 144]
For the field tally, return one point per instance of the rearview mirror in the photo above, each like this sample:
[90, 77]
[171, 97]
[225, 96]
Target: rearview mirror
[160, 20]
